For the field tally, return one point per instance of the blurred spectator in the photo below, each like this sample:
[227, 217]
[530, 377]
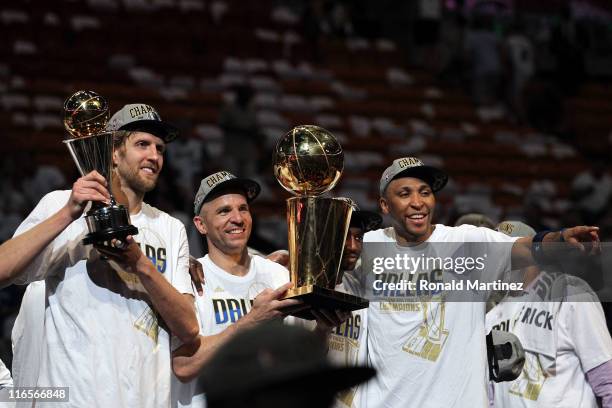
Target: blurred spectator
[520, 53]
[478, 220]
[46, 178]
[241, 132]
[544, 107]
[339, 22]
[327, 18]
[568, 53]
[186, 157]
[450, 54]
[483, 52]
[591, 191]
[276, 366]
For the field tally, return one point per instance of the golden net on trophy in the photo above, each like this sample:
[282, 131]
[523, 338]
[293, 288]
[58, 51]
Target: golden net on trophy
[308, 162]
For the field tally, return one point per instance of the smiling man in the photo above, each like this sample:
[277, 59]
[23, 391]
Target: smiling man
[241, 290]
[109, 311]
[430, 352]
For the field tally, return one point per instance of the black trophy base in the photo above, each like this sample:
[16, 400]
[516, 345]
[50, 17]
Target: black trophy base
[109, 234]
[108, 223]
[317, 297]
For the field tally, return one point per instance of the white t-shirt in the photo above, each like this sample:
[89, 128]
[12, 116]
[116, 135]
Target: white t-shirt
[562, 340]
[5, 376]
[348, 346]
[432, 353]
[101, 336]
[226, 299]
[27, 336]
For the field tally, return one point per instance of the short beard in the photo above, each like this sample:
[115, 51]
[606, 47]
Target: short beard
[133, 180]
[137, 183]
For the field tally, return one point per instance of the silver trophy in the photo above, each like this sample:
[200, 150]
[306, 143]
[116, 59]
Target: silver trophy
[85, 116]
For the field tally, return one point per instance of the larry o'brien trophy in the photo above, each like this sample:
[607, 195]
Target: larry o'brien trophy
[85, 116]
[308, 161]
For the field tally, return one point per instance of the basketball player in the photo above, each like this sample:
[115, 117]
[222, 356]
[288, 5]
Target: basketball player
[430, 353]
[241, 290]
[103, 336]
[562, 327]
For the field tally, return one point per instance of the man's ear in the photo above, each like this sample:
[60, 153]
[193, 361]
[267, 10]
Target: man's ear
[384, 207]
[200, 225]
[115, 157]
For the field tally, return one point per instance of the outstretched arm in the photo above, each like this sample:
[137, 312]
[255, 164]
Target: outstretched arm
[575, 237]
[17, 253]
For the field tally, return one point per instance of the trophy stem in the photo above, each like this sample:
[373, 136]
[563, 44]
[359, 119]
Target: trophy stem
[317, 230]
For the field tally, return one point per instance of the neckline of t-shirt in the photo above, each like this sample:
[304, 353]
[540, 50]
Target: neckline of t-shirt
[136, 216]
[221, 273]
[432, 238]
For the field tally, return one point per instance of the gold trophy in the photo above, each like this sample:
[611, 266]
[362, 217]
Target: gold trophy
[308, 162]
[85, 116]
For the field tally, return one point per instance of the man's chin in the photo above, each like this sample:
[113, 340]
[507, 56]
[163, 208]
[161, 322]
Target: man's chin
[146, 185]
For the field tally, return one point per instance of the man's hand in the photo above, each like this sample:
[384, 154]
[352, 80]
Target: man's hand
[577, 236]
[280, 257]
[269, 306]
[197, 274]
[126, 253]
[328, 319]
[90, 187]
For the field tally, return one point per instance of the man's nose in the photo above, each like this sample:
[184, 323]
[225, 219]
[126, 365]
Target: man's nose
[236, 217]
[416, 201]
[351, 243]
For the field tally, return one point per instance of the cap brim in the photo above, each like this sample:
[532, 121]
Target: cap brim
[433, 176]
[251, 188]
[367, 220]
[163, 130]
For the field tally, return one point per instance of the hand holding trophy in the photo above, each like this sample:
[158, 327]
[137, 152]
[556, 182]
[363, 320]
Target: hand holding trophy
[85, 116]
[308, 161]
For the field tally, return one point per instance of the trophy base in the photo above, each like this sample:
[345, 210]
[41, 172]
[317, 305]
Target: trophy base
[317, 297]
[109, 234]
[107, 223]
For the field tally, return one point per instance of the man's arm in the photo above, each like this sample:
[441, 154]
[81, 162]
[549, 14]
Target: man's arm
[188, 360]
[17, 253]
[175, 308]
[600, 380]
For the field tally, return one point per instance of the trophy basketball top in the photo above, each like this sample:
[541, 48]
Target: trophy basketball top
[85, 114]
[308, 161]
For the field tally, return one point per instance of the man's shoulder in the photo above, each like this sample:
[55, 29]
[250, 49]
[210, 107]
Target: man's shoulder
[157, 215]
[266, 267]
[468, 233]
[265, 264]
[56, 197]
[380, 235]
